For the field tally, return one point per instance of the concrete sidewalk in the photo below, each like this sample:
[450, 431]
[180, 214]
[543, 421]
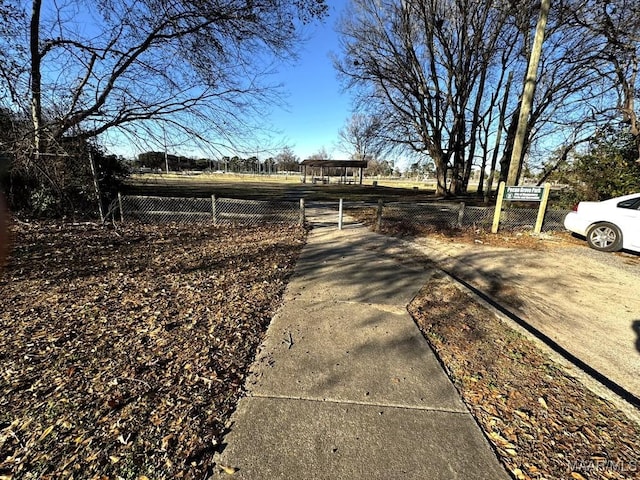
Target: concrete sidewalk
[345, 386]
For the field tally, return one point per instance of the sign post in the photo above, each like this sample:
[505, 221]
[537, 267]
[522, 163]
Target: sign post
[522, 194]
[496, 214]
[543, 208]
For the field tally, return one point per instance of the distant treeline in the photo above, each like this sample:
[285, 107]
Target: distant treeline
[235, 164]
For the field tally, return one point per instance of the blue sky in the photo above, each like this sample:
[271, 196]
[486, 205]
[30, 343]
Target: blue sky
[317, 108]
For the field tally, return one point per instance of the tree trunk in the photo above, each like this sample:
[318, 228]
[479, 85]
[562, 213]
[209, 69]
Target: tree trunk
[457, 143]
[96, 185]
[505, 161]
[483, 167]
[475, 123]
[441, 172]
[36, 77]
[628, 110]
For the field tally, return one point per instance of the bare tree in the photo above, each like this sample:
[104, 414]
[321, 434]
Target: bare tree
[362, 135]
[436, 71]
[320, 155]
[587, 75]
[287, 160]
[418, 64]
[617, 24]
[497, 142]
[94, 67]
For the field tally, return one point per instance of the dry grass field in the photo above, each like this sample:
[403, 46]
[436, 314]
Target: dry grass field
[263, 187]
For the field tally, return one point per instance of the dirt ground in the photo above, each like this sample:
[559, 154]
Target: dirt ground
[539, 412]
[542, 422]
[584, 300]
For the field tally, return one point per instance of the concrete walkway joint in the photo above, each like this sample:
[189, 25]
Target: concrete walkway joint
[345, 386]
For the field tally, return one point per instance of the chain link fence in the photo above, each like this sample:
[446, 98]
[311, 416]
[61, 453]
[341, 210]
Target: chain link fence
[525, 218]
[434, 215]
[449, 215]
[438, 215]
[212, 210]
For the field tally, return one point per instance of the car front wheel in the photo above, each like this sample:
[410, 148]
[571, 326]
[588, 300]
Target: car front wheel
[605, 237]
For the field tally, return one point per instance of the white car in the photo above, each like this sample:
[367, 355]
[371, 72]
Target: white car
[610, 225]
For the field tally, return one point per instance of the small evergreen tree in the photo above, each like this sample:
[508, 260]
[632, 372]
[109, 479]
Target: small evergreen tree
[610, 168]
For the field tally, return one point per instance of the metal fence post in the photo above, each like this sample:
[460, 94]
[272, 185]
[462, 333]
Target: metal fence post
[120, 206]
[214, 212]
[340, 216]
[302, 213]
[379, 214]
[461, 214]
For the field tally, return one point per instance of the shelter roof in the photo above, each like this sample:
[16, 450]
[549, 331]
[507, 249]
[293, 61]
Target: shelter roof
[309, 162]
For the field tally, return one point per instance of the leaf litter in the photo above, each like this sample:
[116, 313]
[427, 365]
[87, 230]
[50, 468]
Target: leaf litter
[123, 353]
[542, 422]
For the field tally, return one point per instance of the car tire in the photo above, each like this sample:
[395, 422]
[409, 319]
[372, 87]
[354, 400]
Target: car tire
[605, 237]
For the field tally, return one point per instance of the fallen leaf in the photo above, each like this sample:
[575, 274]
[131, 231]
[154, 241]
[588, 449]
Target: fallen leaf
[518, 474]
[166, 440]
[228, 470]
[46, 432]
[532, 469]
[496, 437]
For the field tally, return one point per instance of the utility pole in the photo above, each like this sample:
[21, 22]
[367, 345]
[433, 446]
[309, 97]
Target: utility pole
[527, 94]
